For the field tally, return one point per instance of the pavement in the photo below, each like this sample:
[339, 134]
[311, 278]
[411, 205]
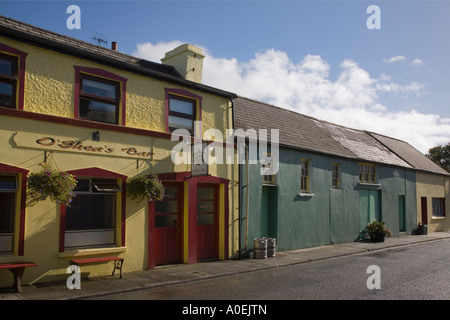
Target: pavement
[182, 273]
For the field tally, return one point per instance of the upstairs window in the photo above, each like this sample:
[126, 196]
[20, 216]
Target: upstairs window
[304, 179]
[8, 81]
[99, 100]
[181, 113]
[367, 173]
[335, 173]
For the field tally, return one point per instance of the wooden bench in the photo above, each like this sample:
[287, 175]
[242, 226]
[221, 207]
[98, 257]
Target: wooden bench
[17, 269]
[118, 262]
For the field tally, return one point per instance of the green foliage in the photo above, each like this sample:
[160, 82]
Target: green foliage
[441, 156]
[376, 228]
[145, 187]
[58, 186]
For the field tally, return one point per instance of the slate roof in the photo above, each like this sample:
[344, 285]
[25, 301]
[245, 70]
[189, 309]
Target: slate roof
[409, 154]
[21, 31]
[310, 134]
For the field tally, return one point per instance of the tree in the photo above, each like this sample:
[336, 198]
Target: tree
[441, 156]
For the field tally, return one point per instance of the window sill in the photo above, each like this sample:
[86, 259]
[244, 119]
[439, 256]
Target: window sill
[89, 252]
[438, 218]
[306, 195]
[10, 257]
[269, 185]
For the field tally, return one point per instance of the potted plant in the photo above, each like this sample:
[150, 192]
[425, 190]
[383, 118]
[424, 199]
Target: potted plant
[377, 231]
[48, 183]
[149, 187]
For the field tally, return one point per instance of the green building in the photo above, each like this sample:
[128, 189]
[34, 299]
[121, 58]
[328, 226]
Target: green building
[331, 181]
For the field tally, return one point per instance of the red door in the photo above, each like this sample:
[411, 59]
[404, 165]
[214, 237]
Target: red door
[207, 221]
[168, 226]
[423, 204]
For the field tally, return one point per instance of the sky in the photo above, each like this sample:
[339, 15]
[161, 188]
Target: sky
[384, 69]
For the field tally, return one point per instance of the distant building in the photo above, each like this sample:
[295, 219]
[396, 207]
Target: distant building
[332, 181]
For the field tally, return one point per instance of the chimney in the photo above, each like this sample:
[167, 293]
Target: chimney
[187, 60]
[114, 45]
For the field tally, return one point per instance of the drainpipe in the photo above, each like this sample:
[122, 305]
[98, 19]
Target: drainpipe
[247, 194]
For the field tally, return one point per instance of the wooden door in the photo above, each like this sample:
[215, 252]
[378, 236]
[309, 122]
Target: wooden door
[207, 221]
[168, 226]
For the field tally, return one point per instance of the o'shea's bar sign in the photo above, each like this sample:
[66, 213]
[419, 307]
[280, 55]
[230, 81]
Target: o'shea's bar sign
[44, 142]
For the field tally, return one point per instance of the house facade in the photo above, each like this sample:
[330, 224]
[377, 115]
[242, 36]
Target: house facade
[331, 181]
[432, 186]
[107, 117]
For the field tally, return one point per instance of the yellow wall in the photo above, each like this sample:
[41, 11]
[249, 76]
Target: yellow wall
[49, 89]
[433, 186]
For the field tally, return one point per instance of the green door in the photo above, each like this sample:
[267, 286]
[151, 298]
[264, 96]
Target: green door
[369, 207]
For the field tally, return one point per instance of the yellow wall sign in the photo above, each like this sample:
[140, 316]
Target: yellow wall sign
[56, 143]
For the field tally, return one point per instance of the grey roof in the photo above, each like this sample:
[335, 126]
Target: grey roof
[310, 134]
[409, 154]
[21, 31]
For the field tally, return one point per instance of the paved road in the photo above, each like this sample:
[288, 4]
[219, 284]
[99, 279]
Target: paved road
[411, 272]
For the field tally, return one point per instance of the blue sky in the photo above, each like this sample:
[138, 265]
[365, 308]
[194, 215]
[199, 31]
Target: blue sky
[315, 57]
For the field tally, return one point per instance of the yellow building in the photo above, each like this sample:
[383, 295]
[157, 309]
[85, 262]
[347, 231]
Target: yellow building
[432, 186]
[107, 117]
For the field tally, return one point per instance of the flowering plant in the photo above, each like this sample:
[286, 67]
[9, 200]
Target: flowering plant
[145, 187]
[377, 229]
[57, 185]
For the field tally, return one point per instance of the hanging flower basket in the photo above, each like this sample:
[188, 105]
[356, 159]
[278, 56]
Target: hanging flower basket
[48, 183]
[377, 231]
[143, 187]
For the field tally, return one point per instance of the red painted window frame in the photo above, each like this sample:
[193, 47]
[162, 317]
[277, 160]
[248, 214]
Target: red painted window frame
[4, 168]
[183, 94]
[101, 75]
[95, 172]
[21, 62]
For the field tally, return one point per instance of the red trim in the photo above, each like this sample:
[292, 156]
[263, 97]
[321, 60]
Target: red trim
[187, 94]
[95, 172]
[102, 74]
[21, 70]
[81, 123]
[23, 202]
[151, 236]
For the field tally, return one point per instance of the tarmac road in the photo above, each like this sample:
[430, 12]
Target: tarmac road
[419, 272]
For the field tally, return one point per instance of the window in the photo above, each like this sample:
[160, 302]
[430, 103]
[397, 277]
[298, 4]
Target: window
[8, 190]
[266, 170]
[304, 180]
[367, 173]
[438, 207]
[8, 81]
[91, 219]
[99, 96]
[335, 176]
[181, 113]
[99, 100]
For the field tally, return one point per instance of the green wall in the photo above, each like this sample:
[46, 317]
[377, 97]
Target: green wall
[330, 215]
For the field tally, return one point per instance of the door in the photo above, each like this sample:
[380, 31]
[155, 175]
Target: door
[402, 214]
[207, 221]
[369, 207]
[424, 207]
[168, 226]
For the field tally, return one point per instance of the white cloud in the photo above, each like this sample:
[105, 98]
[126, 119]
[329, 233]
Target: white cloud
[351, 100]
[417, 62]
[395, 59]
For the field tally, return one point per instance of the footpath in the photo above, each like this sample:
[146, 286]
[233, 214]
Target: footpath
[182, 273]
